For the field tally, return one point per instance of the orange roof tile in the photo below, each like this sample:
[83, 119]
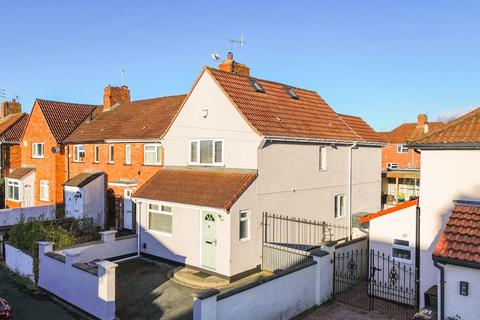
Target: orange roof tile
[12, 127]
[409, 131]
[215, 188]
[464, 130]
[142, 119]
[381, 213]
[460, 240]
[362, 128]
[274, 113]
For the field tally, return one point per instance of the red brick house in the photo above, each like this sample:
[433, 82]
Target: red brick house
[39, 180]
[401, 165]
[113, 155]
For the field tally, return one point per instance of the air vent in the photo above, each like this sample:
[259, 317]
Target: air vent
[256, 85]
[291, 92]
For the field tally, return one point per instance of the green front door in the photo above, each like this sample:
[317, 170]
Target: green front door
[209, 239]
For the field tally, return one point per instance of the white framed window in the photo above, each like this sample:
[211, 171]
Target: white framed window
[13, 190]
[244, 225]
[206, 152]
[38, 150]
[79, 153]
[322, 158]
[401, 251]
[128, 154]
[111, 153]
[392, 165]
[96, 153]
[44, 190]
[401, 148]
[160, 218]
[152, 154]
[339, 205]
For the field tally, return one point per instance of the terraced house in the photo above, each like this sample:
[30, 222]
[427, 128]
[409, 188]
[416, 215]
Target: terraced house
[114, 154]
[43, 171]
[240, 146]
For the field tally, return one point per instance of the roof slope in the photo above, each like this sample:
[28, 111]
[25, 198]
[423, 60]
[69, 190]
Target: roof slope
[142, 119]
[82, 179]
[200, 187]
[384, 212]
[64, 117]
[464, 130]
[19, 173]
[12, 127]
[362, 128]
[460, 240]
[274, 113]
[409, 131]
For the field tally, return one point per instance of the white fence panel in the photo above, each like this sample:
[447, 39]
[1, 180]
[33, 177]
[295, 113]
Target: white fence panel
[19, 261]
[10, 217]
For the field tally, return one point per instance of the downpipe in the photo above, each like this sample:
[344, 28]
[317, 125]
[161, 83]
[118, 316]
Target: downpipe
[350, 169]
[442, 288]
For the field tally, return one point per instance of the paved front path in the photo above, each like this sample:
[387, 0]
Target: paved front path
[32, 304]
[337, 311]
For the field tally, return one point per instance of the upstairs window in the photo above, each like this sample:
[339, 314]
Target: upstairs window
[206, 152]
[402, 148]
[96, 153]
[322, 158]
[79, 153]
[38, 150]
[256, 85]
[13, 190]
[152, 154]
[291, 93]
[111, 153]
[339, 206]
[128, 156]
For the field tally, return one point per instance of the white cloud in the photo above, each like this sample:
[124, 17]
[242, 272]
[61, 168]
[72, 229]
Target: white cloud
[449, 115]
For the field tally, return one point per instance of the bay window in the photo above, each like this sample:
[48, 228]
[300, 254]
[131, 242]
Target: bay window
[206, 152]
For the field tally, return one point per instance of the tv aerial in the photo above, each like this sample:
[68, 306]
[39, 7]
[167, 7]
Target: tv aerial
[239, 43]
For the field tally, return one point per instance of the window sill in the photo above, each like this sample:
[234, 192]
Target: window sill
[404, 261]
[152, 164]
[44, 200]
[96, 162]
[13, 200]
[110, 163]
[38, 157]
[78, 161]
[194, 164]
[127, 164]
[160, 233]
[246, 240]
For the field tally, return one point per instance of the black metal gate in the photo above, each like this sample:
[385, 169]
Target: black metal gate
[373, 281]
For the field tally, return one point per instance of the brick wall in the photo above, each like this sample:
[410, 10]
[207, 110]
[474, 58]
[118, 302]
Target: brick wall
[410, 159]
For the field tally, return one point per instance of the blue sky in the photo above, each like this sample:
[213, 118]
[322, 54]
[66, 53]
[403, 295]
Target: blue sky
[386, 61]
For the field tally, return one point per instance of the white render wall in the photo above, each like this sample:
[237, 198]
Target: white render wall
[465, 306]
[10, 217]
[446, 175]
[223, 122]
[19, 262]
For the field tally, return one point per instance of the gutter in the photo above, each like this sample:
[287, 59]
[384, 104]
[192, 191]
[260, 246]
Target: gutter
[325, 141]
[446, 146]
[350, 169]
[442, 288]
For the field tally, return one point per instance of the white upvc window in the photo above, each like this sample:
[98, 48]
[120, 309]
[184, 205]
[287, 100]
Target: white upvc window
[13, 190]
[206, 152]
[79, 153]
[44, 190]
[128, 154]
[160, 218]
[401, 251]
[96, 153]
[38, 150]
[401, 148]
[244, 225]
[392, 165]
[111, 153]
[339, 205]
[152, 154]
[322, 158]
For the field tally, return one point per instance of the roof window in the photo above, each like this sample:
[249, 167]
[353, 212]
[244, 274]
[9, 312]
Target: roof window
[291, 92]
[255, 85]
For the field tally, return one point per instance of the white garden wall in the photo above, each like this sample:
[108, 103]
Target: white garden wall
[10, 217]
[19, 261]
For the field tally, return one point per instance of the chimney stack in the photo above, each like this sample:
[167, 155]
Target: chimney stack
[114, 95]
[10, 107]
[232, 66]
[422, 120]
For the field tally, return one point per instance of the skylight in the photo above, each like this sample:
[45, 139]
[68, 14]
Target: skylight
[292, 93]
[255, 85]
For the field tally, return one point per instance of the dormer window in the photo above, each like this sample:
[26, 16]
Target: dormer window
[291, 92]
[256, 85]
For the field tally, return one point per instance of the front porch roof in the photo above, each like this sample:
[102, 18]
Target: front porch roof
[214, 188]
[82, 179]
[20, 173]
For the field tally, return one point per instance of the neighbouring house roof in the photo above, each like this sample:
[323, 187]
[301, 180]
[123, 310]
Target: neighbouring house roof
[274, 113]
[409, 131]
[142, 119]
[381, 213]
[64, 117]
[12, 127]
[19, 173]
[361, 127]
[82, 179]
[464, 131]
[215, 188]
[459, 242]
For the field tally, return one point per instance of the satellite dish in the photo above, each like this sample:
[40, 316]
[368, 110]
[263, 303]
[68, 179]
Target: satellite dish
[56, 150]
[215, 56]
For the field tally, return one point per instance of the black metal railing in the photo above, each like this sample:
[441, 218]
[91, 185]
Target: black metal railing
[276, 257]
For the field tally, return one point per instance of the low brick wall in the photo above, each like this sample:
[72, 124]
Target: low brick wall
[19, 261]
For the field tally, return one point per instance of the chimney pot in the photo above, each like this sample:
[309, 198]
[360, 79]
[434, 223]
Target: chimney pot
[232, 66]
[114, 95]
[229, 56]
